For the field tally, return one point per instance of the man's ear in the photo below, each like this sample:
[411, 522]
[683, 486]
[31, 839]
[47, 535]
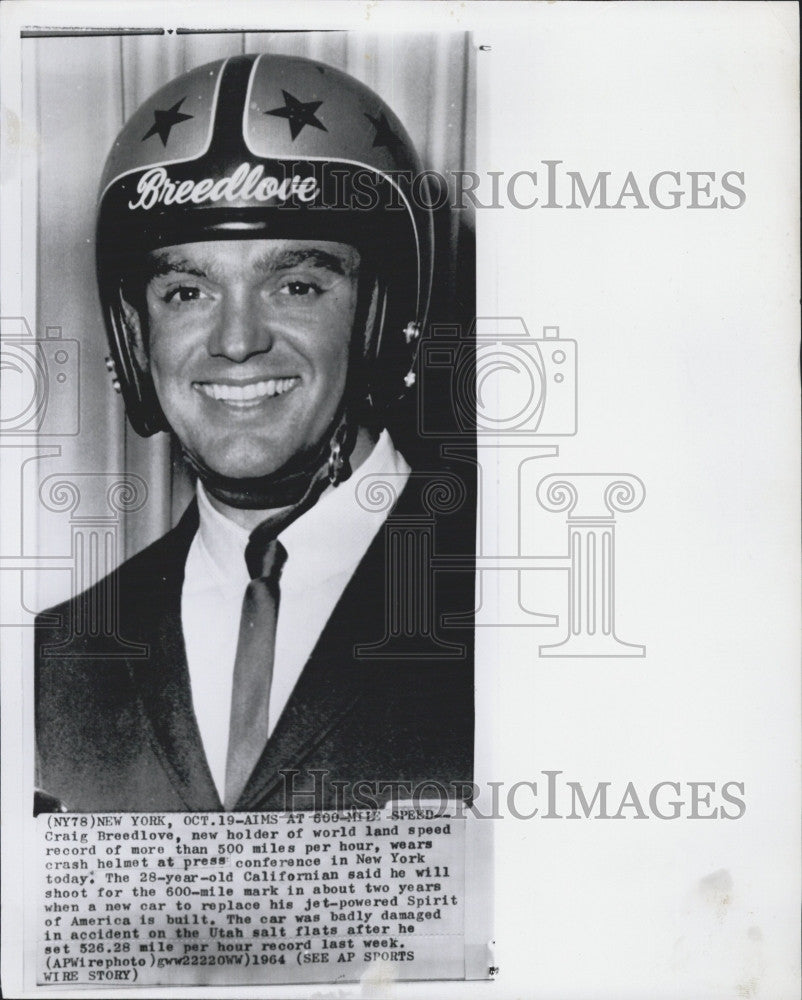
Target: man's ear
[135, 334]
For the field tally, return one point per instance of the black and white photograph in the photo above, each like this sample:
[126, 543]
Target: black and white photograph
[265, 324]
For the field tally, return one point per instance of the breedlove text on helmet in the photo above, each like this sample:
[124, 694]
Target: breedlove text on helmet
[270, 147]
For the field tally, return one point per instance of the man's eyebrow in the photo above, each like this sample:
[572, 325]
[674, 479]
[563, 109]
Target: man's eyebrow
[345, 264]
[157, 266]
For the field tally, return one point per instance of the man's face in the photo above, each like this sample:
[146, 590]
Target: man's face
[249, 346]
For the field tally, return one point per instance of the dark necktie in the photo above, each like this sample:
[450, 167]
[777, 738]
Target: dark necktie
[253, 666]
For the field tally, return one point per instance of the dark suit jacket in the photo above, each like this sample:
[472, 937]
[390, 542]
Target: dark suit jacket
[118, 733]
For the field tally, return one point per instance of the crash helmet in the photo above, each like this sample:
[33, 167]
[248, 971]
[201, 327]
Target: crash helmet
[264, 147]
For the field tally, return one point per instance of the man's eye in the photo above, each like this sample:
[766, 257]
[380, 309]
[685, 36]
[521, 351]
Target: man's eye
[299, 288]
[184, 293]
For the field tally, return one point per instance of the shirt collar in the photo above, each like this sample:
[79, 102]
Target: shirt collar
[327, 540]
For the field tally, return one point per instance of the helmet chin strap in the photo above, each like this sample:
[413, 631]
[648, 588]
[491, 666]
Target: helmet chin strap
[297, 484]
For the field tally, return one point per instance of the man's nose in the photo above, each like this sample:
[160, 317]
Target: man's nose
[243, 328]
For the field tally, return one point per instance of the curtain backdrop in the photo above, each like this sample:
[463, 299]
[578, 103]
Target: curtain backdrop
[79, 91]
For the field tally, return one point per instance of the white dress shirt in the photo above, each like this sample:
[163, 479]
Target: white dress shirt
[324, 547]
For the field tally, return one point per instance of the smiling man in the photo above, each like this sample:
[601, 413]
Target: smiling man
[249, 346]
[264, 275]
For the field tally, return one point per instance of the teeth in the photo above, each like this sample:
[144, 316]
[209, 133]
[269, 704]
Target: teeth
[246, 393]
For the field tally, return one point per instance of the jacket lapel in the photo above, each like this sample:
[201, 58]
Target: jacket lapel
[162, 679]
